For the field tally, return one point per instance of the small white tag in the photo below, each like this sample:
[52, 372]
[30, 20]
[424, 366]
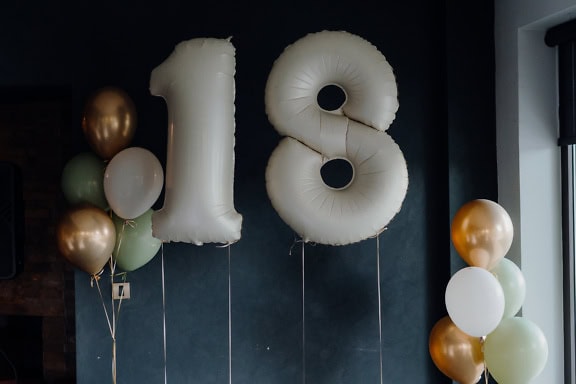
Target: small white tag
[120, 291]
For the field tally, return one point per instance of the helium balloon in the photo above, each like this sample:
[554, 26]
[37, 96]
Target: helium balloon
[109, 121]
[197, 83]
[82, 180]
[133, 181]
[475, 301]
[513, 283]
[516, 352]
[457, 354]
[354, 132]
[482, 233]
[86, 236]
[135, 245]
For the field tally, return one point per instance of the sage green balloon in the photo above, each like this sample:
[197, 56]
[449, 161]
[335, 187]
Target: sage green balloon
[516, 351]
[82, 180]
[135, 245]
[510, 277]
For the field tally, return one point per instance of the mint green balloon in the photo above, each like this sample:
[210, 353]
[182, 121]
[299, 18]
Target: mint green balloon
[82, 180]
[516, 351]
[135, 245]
[510, 277]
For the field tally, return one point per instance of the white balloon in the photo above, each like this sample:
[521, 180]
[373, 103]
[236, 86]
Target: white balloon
[133, 180]
[354, 132]
[197, 83]
[475, 301]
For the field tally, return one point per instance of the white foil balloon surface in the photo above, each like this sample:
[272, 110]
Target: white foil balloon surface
[197, 83]
[354, 132]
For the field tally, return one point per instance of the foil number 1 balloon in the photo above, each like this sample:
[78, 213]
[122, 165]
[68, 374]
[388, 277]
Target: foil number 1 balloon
[197, 83]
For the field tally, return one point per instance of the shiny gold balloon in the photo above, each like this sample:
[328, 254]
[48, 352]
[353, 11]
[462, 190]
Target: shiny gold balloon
[457, 354]
[482, 233]
[109, 121]
[86, 237]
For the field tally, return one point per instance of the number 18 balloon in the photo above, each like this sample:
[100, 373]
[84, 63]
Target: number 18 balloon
[197, 82]
[354, 132]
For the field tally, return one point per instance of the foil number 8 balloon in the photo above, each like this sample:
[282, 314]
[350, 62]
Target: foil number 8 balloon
[354, 132]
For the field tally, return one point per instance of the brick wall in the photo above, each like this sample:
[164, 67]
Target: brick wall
[33, 135]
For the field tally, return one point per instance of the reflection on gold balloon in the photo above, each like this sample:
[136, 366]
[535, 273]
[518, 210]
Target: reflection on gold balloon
[482, 233]
[457, 354]
[86, 237]
[109, 121]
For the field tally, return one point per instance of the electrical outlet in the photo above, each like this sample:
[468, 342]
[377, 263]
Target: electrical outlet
[120, 291]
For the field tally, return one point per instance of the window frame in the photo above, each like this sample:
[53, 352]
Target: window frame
[563, 36]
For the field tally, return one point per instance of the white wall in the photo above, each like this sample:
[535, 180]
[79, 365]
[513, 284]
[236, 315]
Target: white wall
[528, 159]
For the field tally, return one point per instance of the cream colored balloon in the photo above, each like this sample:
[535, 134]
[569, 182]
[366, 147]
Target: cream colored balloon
[355, 132]
[197, 83]
[133, 180]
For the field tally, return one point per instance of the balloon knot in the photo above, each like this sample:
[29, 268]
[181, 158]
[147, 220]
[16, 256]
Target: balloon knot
[131, 223]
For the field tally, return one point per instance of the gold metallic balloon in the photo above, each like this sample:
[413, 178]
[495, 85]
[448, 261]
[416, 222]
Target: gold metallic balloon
[482, 233]
[109, 121]
[86, 237]
[457, 354]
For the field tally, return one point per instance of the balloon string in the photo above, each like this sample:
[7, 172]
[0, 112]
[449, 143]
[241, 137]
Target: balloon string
[113, 326]
[303, 305]
[163, 313]
[112, 259]
[379, 306]
[486, 375]
[121, 296]
[103, 305]
[114, 361]
[110, 327]
[229, 317]
[113, 267]
[303, 316]
[115, 312]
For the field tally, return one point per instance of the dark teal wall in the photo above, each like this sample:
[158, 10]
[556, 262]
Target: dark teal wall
[443, 61]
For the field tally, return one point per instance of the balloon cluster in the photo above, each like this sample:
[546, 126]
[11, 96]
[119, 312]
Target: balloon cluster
[110, 190]
[481, 332]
